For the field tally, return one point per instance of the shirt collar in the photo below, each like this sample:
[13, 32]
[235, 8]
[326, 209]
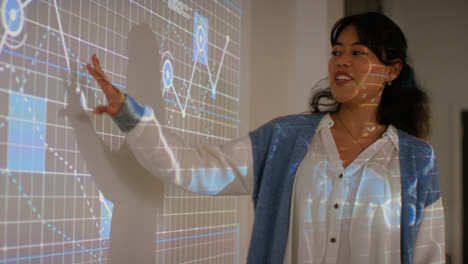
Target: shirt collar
[391, 132]
[326, 122]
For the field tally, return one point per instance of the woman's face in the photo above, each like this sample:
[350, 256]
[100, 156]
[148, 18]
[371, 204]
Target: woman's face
[356, 74]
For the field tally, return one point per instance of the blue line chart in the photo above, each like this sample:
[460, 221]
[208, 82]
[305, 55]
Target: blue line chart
[200, 57]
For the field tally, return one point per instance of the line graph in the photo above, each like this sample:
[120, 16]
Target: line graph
[200, 56]
[168, 75]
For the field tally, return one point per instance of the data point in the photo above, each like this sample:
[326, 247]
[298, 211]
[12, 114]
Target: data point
[201, 39]
[12, 17]
[213, 92]
[168, 74]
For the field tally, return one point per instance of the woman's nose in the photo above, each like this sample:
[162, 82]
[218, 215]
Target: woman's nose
[343, 60]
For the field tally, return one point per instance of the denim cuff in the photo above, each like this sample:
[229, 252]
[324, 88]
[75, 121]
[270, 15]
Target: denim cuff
[129, 115]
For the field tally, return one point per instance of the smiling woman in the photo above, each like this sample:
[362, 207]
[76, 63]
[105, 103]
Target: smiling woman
[372, 95]
[380, 48]
[356, 74]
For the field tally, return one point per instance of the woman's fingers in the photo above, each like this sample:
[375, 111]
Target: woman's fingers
[101, 109]
[114, 96]
[98, 69]
[99, 75]
[92, 71]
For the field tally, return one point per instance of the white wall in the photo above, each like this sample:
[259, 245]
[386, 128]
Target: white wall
[272, 51]
[244, 203]
[311, 48]
[436, 32]
[289, 54]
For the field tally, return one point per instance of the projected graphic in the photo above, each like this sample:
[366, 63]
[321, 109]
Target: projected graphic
[26, 132]
[12, 21]
[65, 194]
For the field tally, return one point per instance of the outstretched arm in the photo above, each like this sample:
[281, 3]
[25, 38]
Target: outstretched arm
[205, 169]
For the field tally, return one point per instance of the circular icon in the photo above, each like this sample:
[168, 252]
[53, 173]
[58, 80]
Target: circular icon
[167, 73]
[201, 38]
[12, 17]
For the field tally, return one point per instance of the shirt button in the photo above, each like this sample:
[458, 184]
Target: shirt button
[341, 175]
[333, 240]
[336, 205]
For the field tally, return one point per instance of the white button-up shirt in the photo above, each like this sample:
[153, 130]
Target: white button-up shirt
[346, 215]
[352, 214]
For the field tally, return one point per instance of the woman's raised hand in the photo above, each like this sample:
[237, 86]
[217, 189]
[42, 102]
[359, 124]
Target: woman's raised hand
[115, 97]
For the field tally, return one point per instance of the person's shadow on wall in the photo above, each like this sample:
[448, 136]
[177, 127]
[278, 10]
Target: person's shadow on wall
[138, 196]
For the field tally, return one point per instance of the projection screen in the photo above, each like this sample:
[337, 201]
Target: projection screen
[70, 189]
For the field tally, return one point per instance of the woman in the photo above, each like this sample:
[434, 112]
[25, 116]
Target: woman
[350, 183]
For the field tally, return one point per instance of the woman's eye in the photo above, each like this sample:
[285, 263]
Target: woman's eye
[357, 52]
[335, 53]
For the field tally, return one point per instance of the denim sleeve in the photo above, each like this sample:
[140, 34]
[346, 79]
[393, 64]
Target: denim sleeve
[130, 114]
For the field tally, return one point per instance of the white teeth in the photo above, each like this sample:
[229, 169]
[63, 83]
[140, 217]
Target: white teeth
[343, 77]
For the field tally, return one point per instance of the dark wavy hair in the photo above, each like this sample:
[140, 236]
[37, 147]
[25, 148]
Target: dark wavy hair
[403, 103]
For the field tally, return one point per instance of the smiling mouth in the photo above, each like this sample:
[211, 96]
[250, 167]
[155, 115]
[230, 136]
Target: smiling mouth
[343, 78]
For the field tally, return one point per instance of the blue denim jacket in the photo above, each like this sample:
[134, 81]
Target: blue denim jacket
[280, 145]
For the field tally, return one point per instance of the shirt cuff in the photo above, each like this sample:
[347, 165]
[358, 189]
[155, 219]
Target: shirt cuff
[129, 115]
